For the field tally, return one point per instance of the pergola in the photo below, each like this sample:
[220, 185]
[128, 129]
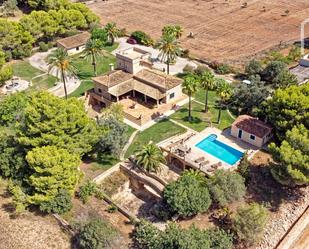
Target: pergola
[137, 86]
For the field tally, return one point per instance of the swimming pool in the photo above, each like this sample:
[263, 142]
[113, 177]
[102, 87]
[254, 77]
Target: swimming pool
[219, 150]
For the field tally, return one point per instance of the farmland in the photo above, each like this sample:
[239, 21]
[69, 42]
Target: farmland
[225, 31]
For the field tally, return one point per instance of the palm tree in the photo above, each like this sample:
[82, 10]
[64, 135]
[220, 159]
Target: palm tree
[93, 49]
[207, 82]
[224, 92]
[112, 32]
[60, 60]
[149, 157]
[189, 87]
[169, 49]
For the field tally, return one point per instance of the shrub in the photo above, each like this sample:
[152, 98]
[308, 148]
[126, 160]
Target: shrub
[61, 204]
[201, 69]
[87, 190]
[272, 70]
[96, 234]
[8, 55]
[146, 235]
[244, 167]
[122, 32]
[254, 67]
[226, 187]
[223, 69]
[188, 195]
[219, 239]
[142, 38]
[43, 46]
[249, 223]
[188, 69]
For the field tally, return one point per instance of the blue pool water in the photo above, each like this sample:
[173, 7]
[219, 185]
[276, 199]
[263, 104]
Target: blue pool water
[219, 150]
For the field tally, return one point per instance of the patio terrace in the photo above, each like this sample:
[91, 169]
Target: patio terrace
[182, 150]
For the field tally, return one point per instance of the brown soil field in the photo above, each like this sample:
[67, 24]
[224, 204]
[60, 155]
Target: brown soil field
[223, 30]
[30, 230]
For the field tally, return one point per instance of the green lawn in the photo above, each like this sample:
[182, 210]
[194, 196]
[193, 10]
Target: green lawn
[85, 68]
[44, 82]
[84, 86]
[200, 119]
[109, 48]
[200, 96]
[25, 71]
[156, 133]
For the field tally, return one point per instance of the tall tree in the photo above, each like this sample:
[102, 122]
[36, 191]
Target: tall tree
[247, 98]
[292, 158]
[150, 157]
[51, 121]
[52, 169]
[94, 49]
[288, 107]
[190, 87]
[60, 60]
[207, 81]
[169, 49]
[224, 91]
[112, 32]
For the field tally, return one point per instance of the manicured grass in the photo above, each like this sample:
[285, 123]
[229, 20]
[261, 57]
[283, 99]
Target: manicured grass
[84, 86]
[110, 48]
[200, 119]
[104, 161]
[156, 133]
[130, 131]
[85, 69]
[25, 71]
[44, 82]
[201, 96]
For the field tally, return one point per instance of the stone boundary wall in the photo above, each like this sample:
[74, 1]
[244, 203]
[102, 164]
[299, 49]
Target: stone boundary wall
[295, 232]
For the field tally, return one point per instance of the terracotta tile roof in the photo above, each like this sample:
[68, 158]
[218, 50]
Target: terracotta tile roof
[155, 79]
[113, 78]
[74, 41]
[158, 79]
[252, 125]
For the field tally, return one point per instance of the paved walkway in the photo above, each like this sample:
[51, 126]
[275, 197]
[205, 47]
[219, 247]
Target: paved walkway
[157, 64]
[38, 60]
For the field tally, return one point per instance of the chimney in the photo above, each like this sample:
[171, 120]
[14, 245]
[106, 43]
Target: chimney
[111, 67]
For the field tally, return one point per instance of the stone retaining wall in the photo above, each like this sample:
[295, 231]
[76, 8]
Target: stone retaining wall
[288, 214]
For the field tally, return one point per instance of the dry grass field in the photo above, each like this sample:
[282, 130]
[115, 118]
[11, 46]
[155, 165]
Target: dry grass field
[29, 231]
[223, 29]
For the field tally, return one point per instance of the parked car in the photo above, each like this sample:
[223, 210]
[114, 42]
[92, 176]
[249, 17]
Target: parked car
[132, 41]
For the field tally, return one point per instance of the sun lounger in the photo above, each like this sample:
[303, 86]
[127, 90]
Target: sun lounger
[204, 163]
[199, 160]
[214, 166]
[210, 170]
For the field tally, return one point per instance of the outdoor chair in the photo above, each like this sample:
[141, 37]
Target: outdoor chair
[199, 160]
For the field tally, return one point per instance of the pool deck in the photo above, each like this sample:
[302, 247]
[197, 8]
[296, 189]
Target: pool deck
[190, 140]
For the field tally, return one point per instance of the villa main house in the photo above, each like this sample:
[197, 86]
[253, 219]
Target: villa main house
[145, 93]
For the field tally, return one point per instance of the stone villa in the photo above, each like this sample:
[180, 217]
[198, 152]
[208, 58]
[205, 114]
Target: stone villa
[74, 44]
[145, 93]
